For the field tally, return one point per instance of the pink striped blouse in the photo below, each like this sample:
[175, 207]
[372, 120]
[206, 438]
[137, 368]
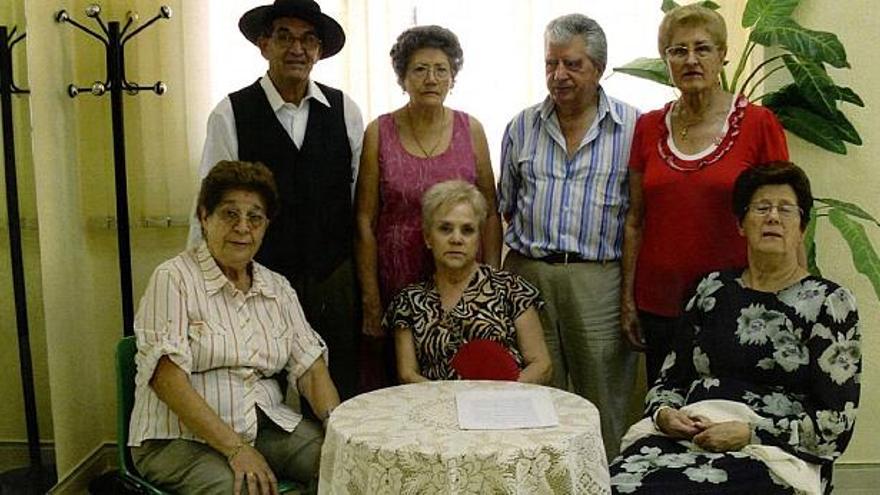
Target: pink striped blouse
[229, 343]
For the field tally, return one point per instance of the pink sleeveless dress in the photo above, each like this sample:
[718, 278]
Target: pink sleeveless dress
[403, 179]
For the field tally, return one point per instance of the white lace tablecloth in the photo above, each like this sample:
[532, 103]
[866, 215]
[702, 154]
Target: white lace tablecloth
[406, 440]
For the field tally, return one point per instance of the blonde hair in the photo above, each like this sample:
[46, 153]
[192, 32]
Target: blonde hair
[692, 15]
[446, 195]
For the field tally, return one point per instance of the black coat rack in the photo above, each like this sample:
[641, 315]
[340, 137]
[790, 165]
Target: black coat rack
[114, 39]
[37, 478]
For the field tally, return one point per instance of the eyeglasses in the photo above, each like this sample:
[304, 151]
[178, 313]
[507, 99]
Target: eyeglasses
[679, 53]
[285, 39]
[232, 217]
[421, 72]
[785, 210]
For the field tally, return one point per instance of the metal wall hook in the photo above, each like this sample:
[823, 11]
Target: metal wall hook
[114, 39]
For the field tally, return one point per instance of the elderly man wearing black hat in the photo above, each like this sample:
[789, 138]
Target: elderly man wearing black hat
[310, 136]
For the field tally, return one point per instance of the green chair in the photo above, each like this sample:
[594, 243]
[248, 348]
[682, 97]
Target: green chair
[125, 372]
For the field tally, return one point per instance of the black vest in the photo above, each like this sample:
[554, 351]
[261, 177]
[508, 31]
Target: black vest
[312, 233]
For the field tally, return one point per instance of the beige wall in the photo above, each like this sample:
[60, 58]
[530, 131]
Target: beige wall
[854, 177]
[72, 158]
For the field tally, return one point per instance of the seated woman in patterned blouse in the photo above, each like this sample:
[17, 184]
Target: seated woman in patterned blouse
[463, 301]
[759, 394]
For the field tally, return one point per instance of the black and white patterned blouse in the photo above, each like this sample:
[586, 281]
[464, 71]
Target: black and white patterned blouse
[488, 308]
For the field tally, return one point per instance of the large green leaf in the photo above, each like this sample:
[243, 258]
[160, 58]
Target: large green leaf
[811, 127]
[851, 209]
[845, 129]
[668, 5]
[790, 96]
[849, 96]
[863, 254]
[787, 95]
[647, 68]
[810, 244]
[814, 84]
[758, 10]
[818, 46]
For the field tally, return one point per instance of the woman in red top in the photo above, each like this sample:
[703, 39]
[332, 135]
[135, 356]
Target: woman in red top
[684, 160]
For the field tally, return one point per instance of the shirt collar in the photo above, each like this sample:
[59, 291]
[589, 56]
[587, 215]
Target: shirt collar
[313, 92]
[215, 279]
[605, 108]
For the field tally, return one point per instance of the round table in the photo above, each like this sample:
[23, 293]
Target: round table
[406, 439]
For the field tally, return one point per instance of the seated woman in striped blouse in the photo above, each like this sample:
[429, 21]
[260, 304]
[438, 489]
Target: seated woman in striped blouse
[213, 327]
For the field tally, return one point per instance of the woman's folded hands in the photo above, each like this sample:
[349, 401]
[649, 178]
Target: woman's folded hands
[713, 437]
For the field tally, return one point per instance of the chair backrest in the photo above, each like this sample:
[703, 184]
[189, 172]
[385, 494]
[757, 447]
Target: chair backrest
[125, 373]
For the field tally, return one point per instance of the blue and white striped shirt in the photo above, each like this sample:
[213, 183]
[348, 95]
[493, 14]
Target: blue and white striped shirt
[557, 204]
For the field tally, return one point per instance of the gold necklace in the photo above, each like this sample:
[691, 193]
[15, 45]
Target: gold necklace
[685, 127]
[409, 120]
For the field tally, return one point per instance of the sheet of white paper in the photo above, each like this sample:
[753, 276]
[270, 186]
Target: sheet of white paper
[505, 409]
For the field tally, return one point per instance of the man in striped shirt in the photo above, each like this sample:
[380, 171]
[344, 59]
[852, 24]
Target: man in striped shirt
[563, 193]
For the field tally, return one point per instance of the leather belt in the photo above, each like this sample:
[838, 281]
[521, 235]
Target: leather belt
[563, 258]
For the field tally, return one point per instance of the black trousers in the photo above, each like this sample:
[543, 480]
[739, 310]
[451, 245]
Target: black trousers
[659, 333]
[332, 308]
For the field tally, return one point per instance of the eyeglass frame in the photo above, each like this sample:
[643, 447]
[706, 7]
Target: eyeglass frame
[232, 217]
[430, 70]
[285, 39]
[784, 210]
[685, 51]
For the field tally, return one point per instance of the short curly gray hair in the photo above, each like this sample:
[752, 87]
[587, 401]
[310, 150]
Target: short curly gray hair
[445, 195]
[562, 29]
[418, 37]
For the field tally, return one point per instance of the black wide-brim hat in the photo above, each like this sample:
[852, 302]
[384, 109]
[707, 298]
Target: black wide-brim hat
[252, 24]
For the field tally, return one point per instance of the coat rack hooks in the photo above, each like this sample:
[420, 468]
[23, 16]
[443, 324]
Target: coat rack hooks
[11, 40]
[114, 39]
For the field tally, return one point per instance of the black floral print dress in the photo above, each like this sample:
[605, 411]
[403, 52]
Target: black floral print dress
[488, 308]
[793, 357]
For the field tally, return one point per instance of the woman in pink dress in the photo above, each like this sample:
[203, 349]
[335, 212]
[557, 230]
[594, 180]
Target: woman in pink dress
[405, 152]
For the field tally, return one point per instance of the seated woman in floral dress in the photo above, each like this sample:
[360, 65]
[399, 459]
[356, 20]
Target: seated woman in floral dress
[759, 394]
[464, 301]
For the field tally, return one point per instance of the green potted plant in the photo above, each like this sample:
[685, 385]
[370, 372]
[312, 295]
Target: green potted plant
[808, 106]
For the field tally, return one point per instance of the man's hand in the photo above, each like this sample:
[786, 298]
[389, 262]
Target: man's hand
[250, 467]
[631, 327]
[724, 437]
